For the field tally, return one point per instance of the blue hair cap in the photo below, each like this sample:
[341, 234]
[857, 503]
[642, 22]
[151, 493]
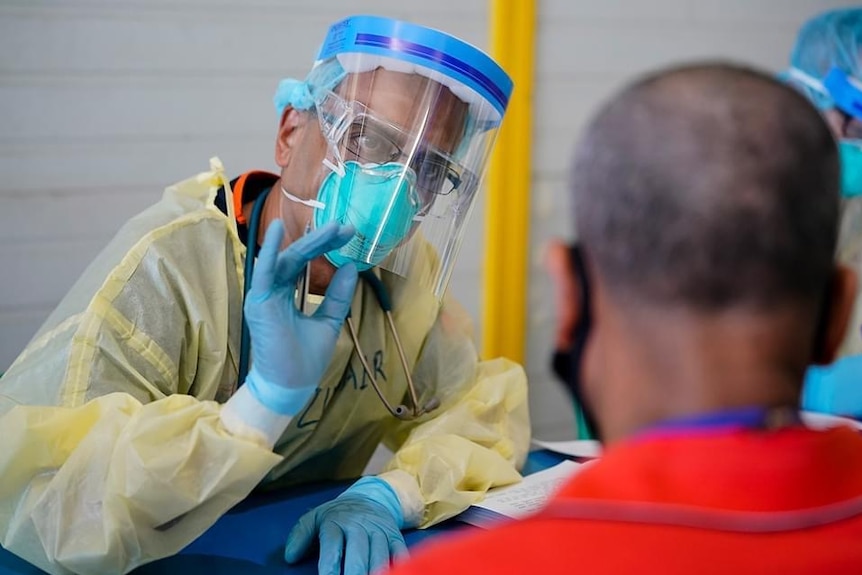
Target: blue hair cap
[830, 40]
[294, 93]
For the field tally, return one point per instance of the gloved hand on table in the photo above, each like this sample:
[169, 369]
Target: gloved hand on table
[359, 531]
[291, 351]
[835, 389]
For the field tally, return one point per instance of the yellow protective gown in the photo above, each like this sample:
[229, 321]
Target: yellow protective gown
[114, 452]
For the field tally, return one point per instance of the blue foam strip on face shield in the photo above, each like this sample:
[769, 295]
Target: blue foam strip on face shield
[444, 60]
[424, 47]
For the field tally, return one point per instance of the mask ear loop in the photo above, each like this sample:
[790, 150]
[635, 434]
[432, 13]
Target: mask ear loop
[820, 334]
[316, 204]
[579, 346]
[337, 167]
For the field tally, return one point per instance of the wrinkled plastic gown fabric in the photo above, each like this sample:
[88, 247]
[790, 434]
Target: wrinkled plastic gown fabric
[114, 453]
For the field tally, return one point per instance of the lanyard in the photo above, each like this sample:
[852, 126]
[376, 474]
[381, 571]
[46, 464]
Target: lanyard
[765, 418]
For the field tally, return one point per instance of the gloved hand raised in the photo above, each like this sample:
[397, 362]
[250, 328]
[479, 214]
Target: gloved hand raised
[359, 531]
[291, 351]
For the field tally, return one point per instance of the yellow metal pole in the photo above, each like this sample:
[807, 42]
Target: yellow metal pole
[513, 24]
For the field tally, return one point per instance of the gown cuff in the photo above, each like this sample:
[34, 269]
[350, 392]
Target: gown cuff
[409, 495]
[245, 416]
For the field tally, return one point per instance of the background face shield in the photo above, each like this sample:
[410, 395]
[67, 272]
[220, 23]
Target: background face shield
[404, 159]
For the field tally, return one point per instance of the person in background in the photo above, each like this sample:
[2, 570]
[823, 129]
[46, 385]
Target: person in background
[707, 206]
[826, 65]
[125, 434]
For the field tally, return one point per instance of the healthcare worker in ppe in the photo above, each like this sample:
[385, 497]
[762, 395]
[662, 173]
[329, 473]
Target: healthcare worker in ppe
[141, 412]
[826, 65]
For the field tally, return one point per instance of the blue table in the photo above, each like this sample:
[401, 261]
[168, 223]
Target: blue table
[250, 537]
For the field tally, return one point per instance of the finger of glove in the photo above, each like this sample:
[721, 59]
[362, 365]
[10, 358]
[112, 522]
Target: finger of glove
[397, 547]
[300, 538]
[357, 550]
[332, 542]
[378, 556]
[339, 295]
[267, 258]
[324, 239]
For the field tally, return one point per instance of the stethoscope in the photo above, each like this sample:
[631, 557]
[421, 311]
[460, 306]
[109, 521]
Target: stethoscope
[384, 301]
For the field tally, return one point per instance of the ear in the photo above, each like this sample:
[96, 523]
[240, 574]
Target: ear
[840, 300]
[289, 130]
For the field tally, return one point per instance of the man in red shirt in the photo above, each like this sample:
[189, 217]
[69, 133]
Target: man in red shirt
[704, 283]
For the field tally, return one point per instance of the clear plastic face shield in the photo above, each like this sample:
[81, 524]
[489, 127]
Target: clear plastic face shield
[409, 116]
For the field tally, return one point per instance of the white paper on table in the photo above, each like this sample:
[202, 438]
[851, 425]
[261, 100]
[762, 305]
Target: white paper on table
[521, 499]
[590, 448]
[825, 421]
[574, 448]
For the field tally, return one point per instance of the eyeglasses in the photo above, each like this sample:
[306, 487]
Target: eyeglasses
[368, 139]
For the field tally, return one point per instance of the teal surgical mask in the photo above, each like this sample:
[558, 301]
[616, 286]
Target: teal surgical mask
[851, 167]
[379, 201]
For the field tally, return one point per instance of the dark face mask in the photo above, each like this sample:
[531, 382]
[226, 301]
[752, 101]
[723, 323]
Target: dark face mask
[568, 363]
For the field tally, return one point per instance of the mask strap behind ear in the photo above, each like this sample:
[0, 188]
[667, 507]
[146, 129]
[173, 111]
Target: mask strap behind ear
[310, 203]
[822, 329]
[579, 345]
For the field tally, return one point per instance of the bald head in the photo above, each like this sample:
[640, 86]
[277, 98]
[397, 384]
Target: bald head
[709, 187]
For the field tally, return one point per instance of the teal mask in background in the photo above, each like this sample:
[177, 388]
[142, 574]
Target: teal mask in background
[851, 167]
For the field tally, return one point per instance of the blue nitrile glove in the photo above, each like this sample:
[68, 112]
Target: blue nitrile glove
[359, 530]
[835, 388]
[290, 351]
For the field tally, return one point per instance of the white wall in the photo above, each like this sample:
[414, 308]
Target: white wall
[588, 48]
[104, 102]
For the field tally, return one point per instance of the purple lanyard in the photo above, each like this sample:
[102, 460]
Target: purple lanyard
[746, 417]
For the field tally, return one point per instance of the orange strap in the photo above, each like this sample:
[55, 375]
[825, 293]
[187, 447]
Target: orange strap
[237, 198]
[256, 179]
